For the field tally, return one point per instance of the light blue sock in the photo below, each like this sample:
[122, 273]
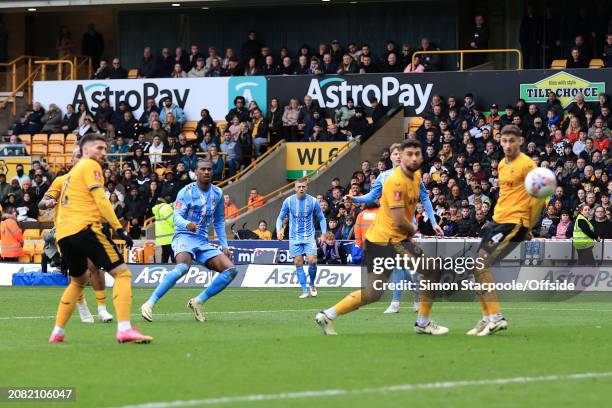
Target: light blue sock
[218, 284]
[299, 271]
[398, 276]
[312, 271]
[168, 282]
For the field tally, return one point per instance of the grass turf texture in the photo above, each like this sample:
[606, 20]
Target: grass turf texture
[262, 349]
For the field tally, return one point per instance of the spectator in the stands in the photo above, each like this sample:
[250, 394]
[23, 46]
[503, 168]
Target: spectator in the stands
[607, 51]
[232, 151]
[316, 119]
[52, 119]
[286, 67]
[258, 131]
[103, 70]
[135, 207]
[576, 60]
[602, 224]
[148, 65]
[178, 71]
[5, 188]
[306, 111]
[431, 62]
[331, 252]
[262, 231]
[165, 64]
[212, 54]
[116, 71]
[129, 127]
[189, 159]
[415, 66]
[334, 134]
[328, 65]
[215, 69]
[255, 199]
[274, 120]
[238, 110]
[345, 113]
[562, 228]
[231, 210]
[348, 65]
[180, 57]
[391, 64]
[33, 122]
[347, 229]
[117, 117]
[120, 147]
[198, 70]
[142, 143]
[178, 113]
[218, 163]
[251, 68]
[194, 55]
[171, 126]
[229, 55]
[290, 120]
[70, 120]
[269, 67]
[378, 110]
[155, 151]
[358, 126]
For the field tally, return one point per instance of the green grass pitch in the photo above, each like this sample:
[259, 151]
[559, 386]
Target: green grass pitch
[264, 342]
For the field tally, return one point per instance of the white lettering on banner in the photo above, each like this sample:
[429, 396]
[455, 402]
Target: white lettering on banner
[189, 94]
[155, 274]
[334, 92]
[280, 276]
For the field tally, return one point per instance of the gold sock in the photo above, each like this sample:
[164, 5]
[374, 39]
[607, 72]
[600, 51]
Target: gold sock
[81, 298]
[101, 297]
[483, 306]
[122, 295]
[351, 302]
[68, 303]
[425, 307]
[488, 300]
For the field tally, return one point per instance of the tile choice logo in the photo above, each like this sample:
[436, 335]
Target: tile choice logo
[565, 86]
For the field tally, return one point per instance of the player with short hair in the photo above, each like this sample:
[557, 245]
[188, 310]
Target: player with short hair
[198, 206]
[301, 207]
[375, 192]
[516, 212]
[97, 276]
[80, 236]
[388, 237]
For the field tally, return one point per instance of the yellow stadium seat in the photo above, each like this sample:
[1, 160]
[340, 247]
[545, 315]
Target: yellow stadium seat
[31, 234]
[38, 149]
[39, 246]
[37, 258]
[190, 126]
[40, 138]
[70, 138]
[160, 171]
[24, 259]
[68, 148]
[56, 138]
[26, 139]
[558, 64]
[190, 135]
[596, 63]
[133, 73]
[56, 149]
[28, 248]
[56, 162]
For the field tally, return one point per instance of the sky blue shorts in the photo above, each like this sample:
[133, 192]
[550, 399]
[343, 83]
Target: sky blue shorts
[301, 248]
[199, 247]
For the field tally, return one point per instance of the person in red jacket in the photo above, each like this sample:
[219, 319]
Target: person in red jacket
[11, 238]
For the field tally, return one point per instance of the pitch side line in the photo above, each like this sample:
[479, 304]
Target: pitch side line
[374, 390]
[539, 309]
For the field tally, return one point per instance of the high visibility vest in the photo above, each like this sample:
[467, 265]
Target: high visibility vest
[580, 239]
[164, 223]
[364, 220]
[11, 239]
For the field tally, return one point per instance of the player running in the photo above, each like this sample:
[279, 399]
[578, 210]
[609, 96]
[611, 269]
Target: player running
[300, 207]
[515, 214]
[375, 192]
[198, 206]
[80, 236]
[388, 237]
[96, 276]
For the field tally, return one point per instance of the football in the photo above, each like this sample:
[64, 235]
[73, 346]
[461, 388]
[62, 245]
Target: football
[540, 182]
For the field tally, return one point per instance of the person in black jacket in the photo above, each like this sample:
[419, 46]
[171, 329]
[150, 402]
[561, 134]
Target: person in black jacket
[148, 65]
[601, 224]
[358, 125]
[70, 121]
[274, 120]
[250, 48]
[530, 37]
[576, 60]
[165, 65]
[93, 45]
[464, 226]
[135, 207]
[117, 71]
[129, 127]
[331, 252]
[103, 71]
[479, 39]
[378, 111]
[151, 107]
[239, 110]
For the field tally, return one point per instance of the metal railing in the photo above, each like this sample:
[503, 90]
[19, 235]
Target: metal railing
[23, 64]
[462, 52]
[283, 189]
[59, 64]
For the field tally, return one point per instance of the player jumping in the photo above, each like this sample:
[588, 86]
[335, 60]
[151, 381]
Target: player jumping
[375, 192]
[515, 214]
[300, 207]
[96, 276]
[198, 206]
[80, 236]
[390, 236]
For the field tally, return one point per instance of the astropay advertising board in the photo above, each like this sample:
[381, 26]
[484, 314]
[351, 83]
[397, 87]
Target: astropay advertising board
[190, 94]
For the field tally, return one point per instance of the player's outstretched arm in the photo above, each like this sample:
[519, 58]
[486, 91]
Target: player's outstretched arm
[374, 193]
[427, 206]
[281, 216]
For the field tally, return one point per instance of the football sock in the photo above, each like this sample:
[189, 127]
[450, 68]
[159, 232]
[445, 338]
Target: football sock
[488, 300]
[168, 282]
[68, 303]
[122, 296]
[424, 310]
[312, 271]
[100, 298]
[398, 276]
[299, 271]
[81, 298]
[218, 284]
[351, 302]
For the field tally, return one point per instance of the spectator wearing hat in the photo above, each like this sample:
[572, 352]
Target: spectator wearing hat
[345, 113]
[358, 125]
[493, 115]
[316, 119]
[538, 134]
[336, 51]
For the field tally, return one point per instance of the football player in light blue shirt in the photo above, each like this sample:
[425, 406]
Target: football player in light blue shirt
[198, 206]
[374, 194]
[300, 208]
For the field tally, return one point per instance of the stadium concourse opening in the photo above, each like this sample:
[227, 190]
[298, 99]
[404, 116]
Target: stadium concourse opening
[218, 187]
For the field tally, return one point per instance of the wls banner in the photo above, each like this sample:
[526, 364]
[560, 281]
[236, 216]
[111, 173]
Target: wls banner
[190, 94]
[414, 91]
[304, 158]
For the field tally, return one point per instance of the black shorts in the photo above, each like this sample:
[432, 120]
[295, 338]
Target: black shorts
[373, 251]
[499, 240]
[94, 243]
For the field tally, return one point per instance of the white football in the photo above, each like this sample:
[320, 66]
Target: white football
[540, 182]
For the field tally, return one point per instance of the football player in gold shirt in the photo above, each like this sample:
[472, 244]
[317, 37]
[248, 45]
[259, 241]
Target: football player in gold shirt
[49, 201]
[515, 214]
[387, 237]
[82, 209]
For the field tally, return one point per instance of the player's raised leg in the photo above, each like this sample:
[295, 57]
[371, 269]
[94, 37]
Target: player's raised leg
[222, 264]
[183, 263]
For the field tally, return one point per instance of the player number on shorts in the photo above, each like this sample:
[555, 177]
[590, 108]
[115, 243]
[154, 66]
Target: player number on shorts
[497, 238]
